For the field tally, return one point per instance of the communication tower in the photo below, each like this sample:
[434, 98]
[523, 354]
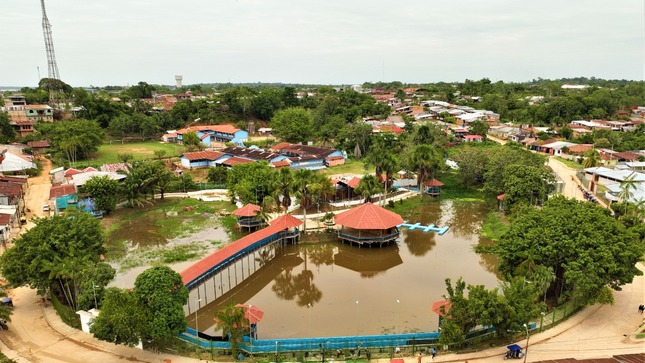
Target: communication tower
[49, 45]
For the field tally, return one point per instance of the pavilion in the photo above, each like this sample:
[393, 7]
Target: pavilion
[433, 187]
[248, 216]
[368, 225]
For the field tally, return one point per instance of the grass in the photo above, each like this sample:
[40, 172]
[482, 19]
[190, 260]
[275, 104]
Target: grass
[488, 145]
[155, 225]
[351, 166]
[453, 189]
[107, 153]
[164, 255]
[495, 225]
[569, 163]
[66, 313]
[4, 359]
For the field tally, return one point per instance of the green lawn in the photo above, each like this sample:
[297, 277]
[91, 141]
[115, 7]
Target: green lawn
[571, 164]
[140, 150]
[351, 166]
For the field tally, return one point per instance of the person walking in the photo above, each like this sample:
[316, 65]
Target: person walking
[419, 358]
[434, 353]
[641, 308]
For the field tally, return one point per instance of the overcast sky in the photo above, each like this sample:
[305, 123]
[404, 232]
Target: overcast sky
[121, 42]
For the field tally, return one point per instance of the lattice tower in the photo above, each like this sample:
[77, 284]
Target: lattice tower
[49, 45]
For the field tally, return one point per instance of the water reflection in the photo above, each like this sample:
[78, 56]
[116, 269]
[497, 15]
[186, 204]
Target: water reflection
[331, 277]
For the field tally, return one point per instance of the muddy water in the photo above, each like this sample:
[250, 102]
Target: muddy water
[331, 289]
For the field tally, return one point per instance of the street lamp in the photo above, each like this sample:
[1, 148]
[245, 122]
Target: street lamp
[527, 342]
[309, 311]
[356, 321]
[398, 315]
[94, 290]
[197, 300]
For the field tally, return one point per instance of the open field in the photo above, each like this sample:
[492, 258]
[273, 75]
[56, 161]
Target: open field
[140, 150]
[351, 166]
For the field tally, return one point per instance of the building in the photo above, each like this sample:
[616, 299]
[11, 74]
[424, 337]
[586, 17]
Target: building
[368, 225]
[23, 118]
[212, 133]
[611, 180]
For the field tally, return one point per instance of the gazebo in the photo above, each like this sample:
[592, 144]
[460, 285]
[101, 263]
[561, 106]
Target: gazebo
[433, 187]
[288, 225]
[248, 216]
[368, 225]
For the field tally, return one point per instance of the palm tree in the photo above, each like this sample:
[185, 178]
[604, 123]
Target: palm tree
[626, 187]
[319, 188]
[284, 186]
[302, 179]
[232, 322]
[368, 186]
[592, 159]
[426, 161]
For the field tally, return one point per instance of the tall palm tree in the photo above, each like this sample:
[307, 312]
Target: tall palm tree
[232, 322]
[592, 159]
[284, 187]
[626, 187]
[368, 186]
[302, 179]
[427, 161]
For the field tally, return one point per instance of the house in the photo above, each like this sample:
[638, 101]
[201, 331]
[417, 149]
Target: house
[11, 194]
[555, 148]
[38, 147]
[200, 159]
[611, 180]
[170, 137]
[213, 133]
[23, 118]
[14, 163]
[473, 138]
[63, 196]
[310, 157]
[79, 179]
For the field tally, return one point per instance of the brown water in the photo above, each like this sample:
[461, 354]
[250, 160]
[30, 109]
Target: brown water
[331, 289]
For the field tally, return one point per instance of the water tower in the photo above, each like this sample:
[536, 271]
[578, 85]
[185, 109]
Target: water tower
[178, 80]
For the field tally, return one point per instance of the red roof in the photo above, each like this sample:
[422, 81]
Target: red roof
[10, 189]
[368, 216]
[286, 221]
[12, 179]
[353, 183]
[433, 183]
[473, 137]
[236, 160]
[5, 219]
[226, 129]
[217, 257]
[38, 144]
[202, 155]
[281, 164]
[249, 210]
[441, 307]
[72, 171]
[60, 190]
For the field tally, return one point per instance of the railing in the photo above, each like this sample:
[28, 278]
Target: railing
[368, 239]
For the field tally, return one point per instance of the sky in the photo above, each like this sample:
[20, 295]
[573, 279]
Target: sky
[122, 42]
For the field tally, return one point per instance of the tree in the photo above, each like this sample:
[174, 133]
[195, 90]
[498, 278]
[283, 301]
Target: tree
[192, 141]
[588, 250]
[141, 90]
[499, 159]
[472, 165]
[233, 323]
[251, 182]
[302, 180]
[293, 125]
[524, 184]
[73, 139]
[159, 154]
[592, 159]
[284, 187]
[7, 133]
[123, 318]
[368, 186]
[626, 188]
[105, 192]
[60, 249]
[217, 175]
[479, 128]
[162, 292]
[426, 161]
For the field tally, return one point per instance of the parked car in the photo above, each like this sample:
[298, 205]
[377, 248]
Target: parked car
[46, 208]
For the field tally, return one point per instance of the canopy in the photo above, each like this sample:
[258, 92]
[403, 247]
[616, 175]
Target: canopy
[438, 305]
[249, 210]
[514, 347]
[253, 313]
[433, 183]
[368, 216]
[286, 221]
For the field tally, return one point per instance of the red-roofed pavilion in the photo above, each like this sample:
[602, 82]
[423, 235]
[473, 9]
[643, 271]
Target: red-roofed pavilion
[433, 187]
[368, 224]
[248, 216]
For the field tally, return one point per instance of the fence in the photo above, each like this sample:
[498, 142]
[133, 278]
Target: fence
[411, 343]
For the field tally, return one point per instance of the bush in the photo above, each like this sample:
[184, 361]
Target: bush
[68, 315]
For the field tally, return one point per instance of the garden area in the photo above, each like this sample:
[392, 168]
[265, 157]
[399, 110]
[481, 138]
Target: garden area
[109, 153]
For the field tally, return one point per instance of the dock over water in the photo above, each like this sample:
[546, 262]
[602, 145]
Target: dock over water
[431, 228]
